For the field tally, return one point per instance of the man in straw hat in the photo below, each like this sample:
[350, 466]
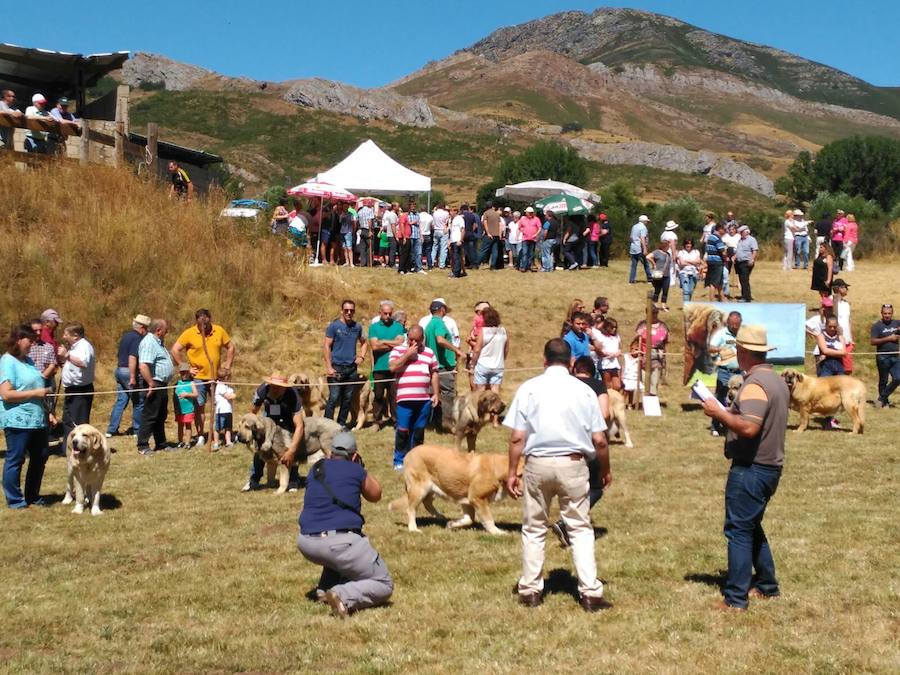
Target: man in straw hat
[280, 402]
[754, 442]
[354, 576]
[128, 377]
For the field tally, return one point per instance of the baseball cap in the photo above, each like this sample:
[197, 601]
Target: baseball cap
[436, 305]
[64, 101]
[184, 367]
[51, 315]
[798, 212]
[38, 98]
[602, 216]
[743, 228]
[643, 219]
[343, 444]
[507, 210]
[528, 209]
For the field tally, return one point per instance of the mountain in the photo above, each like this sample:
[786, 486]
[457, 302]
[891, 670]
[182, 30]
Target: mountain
[623, 87]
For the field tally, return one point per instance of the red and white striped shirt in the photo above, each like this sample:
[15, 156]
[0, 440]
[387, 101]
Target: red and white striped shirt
[414, 380]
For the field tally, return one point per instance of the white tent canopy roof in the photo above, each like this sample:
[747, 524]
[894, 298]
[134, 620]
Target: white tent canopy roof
[535, 189]
[370, 169]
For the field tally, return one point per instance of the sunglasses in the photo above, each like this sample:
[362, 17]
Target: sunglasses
[887, 307]
[348, 309]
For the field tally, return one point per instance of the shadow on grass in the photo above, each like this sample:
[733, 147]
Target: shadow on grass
[108, 502]
[718, 579]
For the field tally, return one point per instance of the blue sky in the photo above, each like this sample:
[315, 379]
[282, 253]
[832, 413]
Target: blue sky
[373, 43]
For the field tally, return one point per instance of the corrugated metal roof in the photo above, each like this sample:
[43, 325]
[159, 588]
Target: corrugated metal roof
[61, 73]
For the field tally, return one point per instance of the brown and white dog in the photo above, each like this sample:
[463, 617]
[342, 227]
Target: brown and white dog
[87, 461]
[616, 421]
[270, 442]
[314, 395]
[825, 396]
[471, 480]
[472, 411]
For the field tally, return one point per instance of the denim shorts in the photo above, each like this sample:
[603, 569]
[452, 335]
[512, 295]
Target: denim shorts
[485, 376]
[348, 239]
[202, 392]
[326, 235]
[223, 421]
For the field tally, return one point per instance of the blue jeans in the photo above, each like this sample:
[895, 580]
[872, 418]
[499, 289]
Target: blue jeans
[547, 254]
[257, 468]
[635, 258]
[833, 365]
[492, 252]
[471, 251]
[801, 250]
[21, 442]
[688, 283]
[747, 493]
[417, 254]
[412, 418]
[340, 392]
[122, 376]
[526, 255]
[439, 243]
[590, 253]
[722, 377]
[457, 255]
[888, 376]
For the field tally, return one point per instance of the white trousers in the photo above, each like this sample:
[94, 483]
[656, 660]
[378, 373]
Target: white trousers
[566, 479]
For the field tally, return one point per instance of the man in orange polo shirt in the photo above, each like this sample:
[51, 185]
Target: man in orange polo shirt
[205, 357]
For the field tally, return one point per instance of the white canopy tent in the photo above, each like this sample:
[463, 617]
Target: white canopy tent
[368, 169]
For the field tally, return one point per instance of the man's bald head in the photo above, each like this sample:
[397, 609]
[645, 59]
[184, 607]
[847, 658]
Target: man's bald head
[416, 333]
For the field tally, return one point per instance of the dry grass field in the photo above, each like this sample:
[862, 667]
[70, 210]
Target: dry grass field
[185, 573]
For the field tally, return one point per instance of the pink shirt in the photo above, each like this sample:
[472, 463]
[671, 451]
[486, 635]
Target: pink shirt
[595, 231]
[414, 381]
[529, 227]
[837, 229]
[851, 232]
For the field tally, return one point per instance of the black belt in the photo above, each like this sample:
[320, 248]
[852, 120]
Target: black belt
[329, 533]
[729, 370]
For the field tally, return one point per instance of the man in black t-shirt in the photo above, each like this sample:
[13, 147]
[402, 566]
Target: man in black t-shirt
[471, 235]
[281, 403]
[823, 230]
[584, 370]
[885, 337]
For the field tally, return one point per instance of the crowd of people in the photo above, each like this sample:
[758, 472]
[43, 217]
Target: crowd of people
[41, 142]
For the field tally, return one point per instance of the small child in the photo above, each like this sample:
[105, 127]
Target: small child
[384, 247]
[224, 412]
[185, 395]
[631, 373]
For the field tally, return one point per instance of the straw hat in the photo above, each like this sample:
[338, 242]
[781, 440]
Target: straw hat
[277, 379]
[671, 225]
[142, 319]
[753, 337]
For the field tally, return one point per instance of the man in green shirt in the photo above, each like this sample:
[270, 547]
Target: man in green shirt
[384, 335]
[439, 340]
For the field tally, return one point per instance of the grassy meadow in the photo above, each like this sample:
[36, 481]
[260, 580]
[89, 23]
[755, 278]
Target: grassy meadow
[185, 573]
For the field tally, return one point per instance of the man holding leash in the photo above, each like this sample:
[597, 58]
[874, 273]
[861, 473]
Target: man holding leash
[754, 442]
[280, 402]
[557, 425]
[354, 576]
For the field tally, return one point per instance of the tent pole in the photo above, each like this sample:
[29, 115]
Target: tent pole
[319, 239]
[429, 201]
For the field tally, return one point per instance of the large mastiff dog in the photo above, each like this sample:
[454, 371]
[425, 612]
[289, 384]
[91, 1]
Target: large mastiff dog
[314, 395]
[825, 396]
[471, 480]
[616, 420]
[270, 442]
[87, 461]
[471, 412]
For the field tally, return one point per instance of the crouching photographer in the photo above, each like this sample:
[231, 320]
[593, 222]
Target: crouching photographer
[353, 576]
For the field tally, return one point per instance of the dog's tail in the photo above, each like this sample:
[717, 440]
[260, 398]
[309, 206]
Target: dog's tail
[399, 504]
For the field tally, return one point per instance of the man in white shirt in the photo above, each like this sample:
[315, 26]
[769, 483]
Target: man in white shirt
[77, 378]
[457, 238]
[439, 237]
[424, 244]
[366, 217]
[557, 426]
[388, 222]
[37, 141]
[7, 105]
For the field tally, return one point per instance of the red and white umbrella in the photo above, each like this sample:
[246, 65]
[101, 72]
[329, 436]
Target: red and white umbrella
[322, 191]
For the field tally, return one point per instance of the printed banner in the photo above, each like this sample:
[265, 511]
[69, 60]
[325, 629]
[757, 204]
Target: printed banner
[785, 325]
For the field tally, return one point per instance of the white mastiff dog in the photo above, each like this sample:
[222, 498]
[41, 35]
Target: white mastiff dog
[87, 461]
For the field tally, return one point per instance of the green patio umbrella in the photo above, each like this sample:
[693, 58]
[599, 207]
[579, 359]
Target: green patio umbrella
[562, 204]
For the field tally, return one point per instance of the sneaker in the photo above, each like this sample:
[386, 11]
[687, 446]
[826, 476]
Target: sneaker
[293, 487]
[216, 446]
[713, 432]
[833, 424]
[180, 446]
[422, 272]
[250, 486]
[110, 434]
[146, 452]
[559, 529]
[398, 467]
[573, 266]
[201, 440]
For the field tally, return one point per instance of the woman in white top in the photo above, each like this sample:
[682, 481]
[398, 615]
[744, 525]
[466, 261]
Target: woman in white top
[689, 262]
[513, 238]
[788, 260]
[490, 351]
[671, 239]
[611, 350]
